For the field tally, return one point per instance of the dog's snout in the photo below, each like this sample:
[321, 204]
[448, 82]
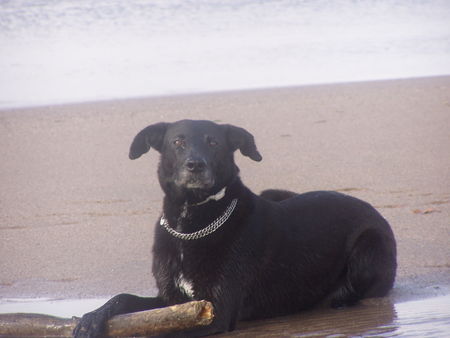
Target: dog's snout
[195, 165]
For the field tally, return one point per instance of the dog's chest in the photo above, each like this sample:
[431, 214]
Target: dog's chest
[195, 262]
[184, 284]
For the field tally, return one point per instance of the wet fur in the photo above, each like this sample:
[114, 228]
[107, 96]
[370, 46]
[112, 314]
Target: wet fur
[278, 253]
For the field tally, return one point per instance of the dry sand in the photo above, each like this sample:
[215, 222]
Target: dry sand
[77, 215]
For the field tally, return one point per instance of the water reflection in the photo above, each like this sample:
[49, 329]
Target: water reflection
[375, 318]
[430, 318]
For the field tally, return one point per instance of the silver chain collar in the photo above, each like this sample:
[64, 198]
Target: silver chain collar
[203, 232]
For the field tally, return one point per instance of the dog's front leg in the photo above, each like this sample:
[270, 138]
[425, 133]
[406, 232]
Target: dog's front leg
[227, 302]
[93, 324]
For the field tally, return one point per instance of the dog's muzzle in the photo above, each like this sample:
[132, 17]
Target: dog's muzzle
[195, 174]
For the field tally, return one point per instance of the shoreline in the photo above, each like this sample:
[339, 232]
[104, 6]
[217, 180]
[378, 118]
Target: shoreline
[77, 216]
[49, 105]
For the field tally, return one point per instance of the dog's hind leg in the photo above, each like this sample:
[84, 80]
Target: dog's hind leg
[370, 269]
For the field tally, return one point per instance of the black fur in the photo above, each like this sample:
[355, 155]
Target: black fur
[276, 254]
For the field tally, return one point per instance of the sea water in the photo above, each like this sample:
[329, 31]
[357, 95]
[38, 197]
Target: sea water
[54, 51]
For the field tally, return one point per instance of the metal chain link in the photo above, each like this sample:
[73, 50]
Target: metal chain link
[205, 231]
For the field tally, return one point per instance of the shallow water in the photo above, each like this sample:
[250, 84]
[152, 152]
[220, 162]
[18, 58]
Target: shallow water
[66, 50]
[377, 318]
[55, 307]
[374, 318]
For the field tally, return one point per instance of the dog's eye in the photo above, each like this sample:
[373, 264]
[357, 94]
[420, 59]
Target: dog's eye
[179, 143]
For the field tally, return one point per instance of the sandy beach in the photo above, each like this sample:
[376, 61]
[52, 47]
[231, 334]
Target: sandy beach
[77, 215]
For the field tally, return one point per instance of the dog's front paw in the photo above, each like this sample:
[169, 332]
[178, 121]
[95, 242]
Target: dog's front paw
[91, 325]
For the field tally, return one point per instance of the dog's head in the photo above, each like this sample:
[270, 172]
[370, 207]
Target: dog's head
[196, 156]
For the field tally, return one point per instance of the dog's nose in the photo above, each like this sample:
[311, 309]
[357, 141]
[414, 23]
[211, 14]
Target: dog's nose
[195, 165]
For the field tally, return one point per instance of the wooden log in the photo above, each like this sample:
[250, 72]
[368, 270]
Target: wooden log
[35, 325]
[145, 323]
[172, 318]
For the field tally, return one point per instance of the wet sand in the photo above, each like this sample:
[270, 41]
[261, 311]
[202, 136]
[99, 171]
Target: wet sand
[77, 215]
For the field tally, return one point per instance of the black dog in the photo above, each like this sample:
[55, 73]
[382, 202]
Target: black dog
[251, 256]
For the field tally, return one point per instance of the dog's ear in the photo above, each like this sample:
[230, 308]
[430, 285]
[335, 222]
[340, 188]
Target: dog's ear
[241, 139]
[151, 136]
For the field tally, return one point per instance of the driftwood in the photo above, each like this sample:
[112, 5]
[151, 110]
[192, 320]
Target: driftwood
[145, 323]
